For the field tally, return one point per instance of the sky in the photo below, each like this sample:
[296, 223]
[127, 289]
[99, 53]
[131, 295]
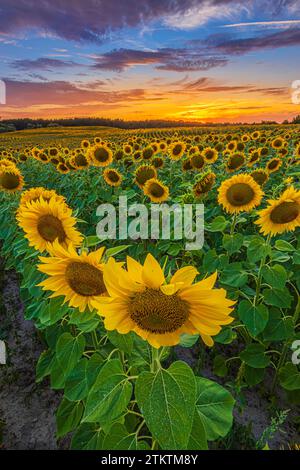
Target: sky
[194, 60]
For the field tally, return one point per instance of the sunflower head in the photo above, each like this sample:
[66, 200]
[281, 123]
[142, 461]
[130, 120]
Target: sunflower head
[260, 176]
[112, 177]
[204, 184]
[239, 193]
[100, 155]
[11, 180]
[210, 154]
[156, 190]
[235, 161]
[253, 157]
[79, 277]
[197, 161]
[158, 162]
[281, 215]
[140, 300]
[176, 150]
[46, 221]
[186, 164]
[79, 161]
[144, 173]
[273, 165]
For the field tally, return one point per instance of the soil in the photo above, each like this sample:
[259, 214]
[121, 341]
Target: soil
[27, 409]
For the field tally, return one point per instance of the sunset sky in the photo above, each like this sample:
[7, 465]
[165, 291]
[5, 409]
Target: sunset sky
[200, 60]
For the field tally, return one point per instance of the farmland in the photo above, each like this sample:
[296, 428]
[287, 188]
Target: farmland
[152, 345]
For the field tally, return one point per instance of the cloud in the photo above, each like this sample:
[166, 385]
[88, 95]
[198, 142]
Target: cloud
[43, 63]
[225, 44]
[269, 24]
[179, 60]
[91, 20]
[24, 93]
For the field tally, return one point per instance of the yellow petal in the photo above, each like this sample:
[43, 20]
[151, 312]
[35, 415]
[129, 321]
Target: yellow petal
[152, 274]
[185, 275]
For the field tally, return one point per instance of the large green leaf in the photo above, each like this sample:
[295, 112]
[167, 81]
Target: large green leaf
[275, 275]
[254, 356]
[69, 349]
[278, 298]
[198, 440]
[232, 243]
[68, 416]
[289, 377]
[254, 317]
[76, 387]
[167, 401]
[278, 328]
[87, 437]
[119, 439]
[122, 342]
[214, 406]
[109, 395]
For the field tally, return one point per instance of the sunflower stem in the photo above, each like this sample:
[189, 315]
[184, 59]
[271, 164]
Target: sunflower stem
[259, 278]
[155, 364]
[234, 220]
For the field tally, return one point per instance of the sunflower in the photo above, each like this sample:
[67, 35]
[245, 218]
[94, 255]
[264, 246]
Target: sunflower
[45, 221]
[144, 173]
[210, 154]
[186, 164]
[141, 301]
[253, 158]
[231, 146]
[62, 168]
[156, 190]
[6, 163]
[79, 161]
[239, 193]
[235, 161]
[79, 278]
[11, 180]
[260, 176]
[157, 162]
[255, 135]
[176, 150]
[282, 215]
[197, 161]
[273, 165]
[85, 144]
[204, 185]
[263, 151]
[278, 143]
[112, 177]
[127, 149]
[100, 155]
[33, 194]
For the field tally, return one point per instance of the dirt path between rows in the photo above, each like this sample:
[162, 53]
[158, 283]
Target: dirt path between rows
[27, 409]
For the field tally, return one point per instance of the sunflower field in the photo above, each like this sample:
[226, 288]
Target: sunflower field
[120, 320]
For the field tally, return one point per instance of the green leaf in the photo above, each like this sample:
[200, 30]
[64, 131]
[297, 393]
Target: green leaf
[226, 336]
[276, 276]
[220, 367]
[214, 406]
[277, 298]
[87, 437]
[254, 356]
[296, 257]
[118, 439]
[76, 387]
[253, 376]
[69, 349]
[87, 321]
[95, 364]
[115, 250]
[109, 395]
[219, 224]
[233, 243]
[282, 245]
[68, 416]
[122, 342]
[289, 377]
[187, 341]
[43, 367]
[233, 275]
[278, 328]
[91, 240]
[210, 261]
[198, 440]
[258, 249]
[255, 318]
[167, 401]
